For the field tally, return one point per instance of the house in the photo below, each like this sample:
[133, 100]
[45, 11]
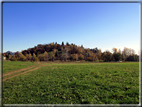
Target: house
[4, 58]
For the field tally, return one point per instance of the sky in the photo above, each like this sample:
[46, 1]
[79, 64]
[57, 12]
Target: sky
[101, 25]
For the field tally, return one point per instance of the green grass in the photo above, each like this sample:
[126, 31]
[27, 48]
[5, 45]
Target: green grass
[9, 66]
[86, 83]
[17, 72]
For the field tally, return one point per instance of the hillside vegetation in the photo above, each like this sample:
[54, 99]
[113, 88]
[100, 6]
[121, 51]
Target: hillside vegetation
[71, 52]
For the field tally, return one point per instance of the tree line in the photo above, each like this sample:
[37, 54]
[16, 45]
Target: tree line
[71, 52]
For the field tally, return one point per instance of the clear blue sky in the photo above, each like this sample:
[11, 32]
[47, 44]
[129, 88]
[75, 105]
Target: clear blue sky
[101, 25]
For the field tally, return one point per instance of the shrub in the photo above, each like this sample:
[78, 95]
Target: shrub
[35, 59]
[13, 59]
[28, 56]
[41, 57]
[22, 58]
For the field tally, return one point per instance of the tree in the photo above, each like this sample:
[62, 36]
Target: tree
[34, 55]
[123, 57]
[80, 50]
[30, 57]
[89, 54]
[81, 57]
[9, 57]
[67, 44]
[57, 54]
[117, 56]
[45, 56]
[99, 55]
[64, 56]
[94, 57]
[34, 58]
[72, 57]
[52, 43]
[24, 52]
[55, 46]
[71, 46]
[77, 51]
[89, 59]
[95, 50]
[59, 47]
[62, 43]
[114, 50]
[13, 58]
[41, 57]
[55, 50]
[131, 58]
[76, 57]
[107, 56]
[22, 57]
[132, 52]
[119, 51]
[126, 52]
[51, 56]
[85, 55]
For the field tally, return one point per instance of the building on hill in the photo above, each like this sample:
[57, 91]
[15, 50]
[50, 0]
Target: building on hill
[4, 58]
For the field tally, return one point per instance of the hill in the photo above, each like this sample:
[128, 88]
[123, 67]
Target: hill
[72, 52]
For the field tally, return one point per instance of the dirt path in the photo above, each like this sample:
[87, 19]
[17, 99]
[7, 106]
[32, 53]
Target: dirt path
[22, 72]
[5, 74]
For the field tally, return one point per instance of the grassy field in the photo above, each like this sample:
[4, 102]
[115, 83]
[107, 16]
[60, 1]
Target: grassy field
[74, 83]
[9, 66]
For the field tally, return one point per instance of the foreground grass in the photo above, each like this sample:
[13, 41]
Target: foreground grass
[92, 83]
[9, 66]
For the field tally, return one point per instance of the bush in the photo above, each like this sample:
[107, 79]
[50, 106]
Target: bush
[28, 56]
[41, 57]
[23, 58]
[35, 59]
[13, 59]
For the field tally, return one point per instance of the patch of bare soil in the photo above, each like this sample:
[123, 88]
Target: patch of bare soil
[47, 65]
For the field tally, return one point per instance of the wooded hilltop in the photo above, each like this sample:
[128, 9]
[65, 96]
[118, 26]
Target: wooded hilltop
[71, 52]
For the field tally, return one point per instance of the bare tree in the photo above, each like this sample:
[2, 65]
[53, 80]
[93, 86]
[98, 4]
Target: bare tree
[64, 56]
